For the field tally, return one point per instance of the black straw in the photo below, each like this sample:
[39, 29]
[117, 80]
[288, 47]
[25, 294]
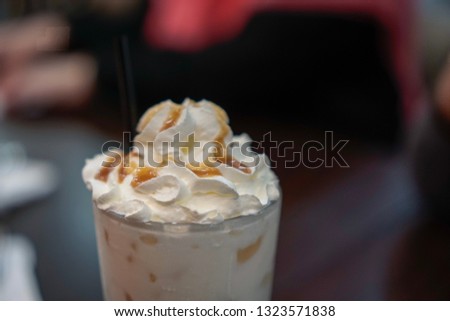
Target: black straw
[126, 88]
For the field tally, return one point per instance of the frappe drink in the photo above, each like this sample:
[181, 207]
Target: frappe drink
[191, 213]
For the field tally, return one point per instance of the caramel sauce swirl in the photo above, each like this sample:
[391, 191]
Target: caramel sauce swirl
[204, 171]
[140, 174]
[238, 165]
[143, 174]
[125, 171]
[107, 168]
[103, 174]
[220, 138]
[224, 159]
[149, 114]
[173, 117]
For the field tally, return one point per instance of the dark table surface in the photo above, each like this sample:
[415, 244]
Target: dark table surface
[352, 233]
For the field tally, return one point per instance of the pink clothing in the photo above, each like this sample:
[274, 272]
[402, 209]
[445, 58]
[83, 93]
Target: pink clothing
[192, 25]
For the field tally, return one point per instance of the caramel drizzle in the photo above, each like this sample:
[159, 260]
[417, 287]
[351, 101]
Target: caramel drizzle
[140, 175]
[149, 114]
[238, 165]
[220, 139]
[246, 253]
[125, 171]
[235, 164]
[204, 171]
[103, 174]
[173, 117]
[220, 155]
[143, 174]
[220, 142]
[221, 114]
[107, 168]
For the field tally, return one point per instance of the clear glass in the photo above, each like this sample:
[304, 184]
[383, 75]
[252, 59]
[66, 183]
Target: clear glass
[231, 260]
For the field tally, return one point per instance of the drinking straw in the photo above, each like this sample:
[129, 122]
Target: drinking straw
[126, 87]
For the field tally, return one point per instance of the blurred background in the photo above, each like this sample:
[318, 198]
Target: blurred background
[373, 72]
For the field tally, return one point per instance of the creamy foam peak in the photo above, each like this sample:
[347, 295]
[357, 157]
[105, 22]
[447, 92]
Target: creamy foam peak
[187, 166]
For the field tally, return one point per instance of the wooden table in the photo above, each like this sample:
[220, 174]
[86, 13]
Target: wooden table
[346, 233]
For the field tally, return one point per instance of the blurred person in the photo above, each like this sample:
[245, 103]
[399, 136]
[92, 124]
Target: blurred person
[35, 73]
[39, 68]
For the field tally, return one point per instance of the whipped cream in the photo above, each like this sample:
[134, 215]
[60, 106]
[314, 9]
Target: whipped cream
[186, 167]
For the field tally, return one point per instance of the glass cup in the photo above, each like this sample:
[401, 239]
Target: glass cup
[230, 260]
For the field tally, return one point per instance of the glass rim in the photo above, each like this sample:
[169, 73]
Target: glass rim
[169, 227]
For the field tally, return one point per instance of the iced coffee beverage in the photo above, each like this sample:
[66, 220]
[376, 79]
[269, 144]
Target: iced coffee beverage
[190, 214]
